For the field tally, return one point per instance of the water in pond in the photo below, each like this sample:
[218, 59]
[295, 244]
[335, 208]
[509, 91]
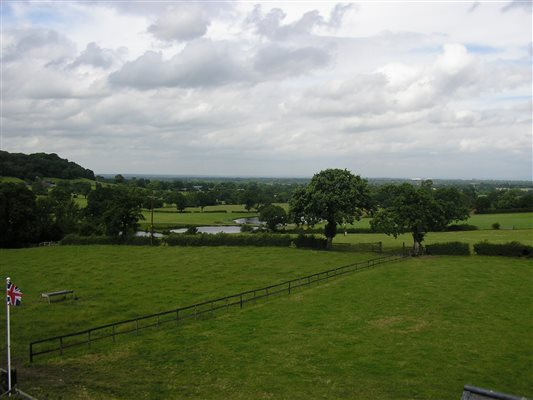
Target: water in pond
[211, 229]
[147, 234]
[248, 220]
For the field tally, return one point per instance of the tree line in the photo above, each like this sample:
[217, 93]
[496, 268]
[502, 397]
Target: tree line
[335, 197]
[30, 166]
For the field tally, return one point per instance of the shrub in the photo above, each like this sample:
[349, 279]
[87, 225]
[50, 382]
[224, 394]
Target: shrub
[311, 241]
[246, 228]
[510, 249]
[496, 225]
[450, 248]
[191, 230]
[88, 240]
[461, 227]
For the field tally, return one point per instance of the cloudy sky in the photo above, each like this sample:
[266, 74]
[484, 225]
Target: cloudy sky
[383, 88]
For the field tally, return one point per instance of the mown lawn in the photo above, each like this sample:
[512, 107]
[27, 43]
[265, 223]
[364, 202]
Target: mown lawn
[414, 329]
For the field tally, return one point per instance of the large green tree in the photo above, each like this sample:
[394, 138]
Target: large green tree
[418, 210]
[273, 216]
[113, 211]
[334, 195]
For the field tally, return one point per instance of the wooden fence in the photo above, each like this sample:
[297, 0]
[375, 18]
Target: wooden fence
[58, 344]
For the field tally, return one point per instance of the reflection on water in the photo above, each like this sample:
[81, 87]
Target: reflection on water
[147, 234]
[211, 229]
[248, 220]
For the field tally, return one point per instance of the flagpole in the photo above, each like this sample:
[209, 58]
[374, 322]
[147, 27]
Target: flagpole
[8, 343]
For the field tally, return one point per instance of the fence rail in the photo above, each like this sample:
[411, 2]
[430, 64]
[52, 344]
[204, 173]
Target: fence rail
[112, 330]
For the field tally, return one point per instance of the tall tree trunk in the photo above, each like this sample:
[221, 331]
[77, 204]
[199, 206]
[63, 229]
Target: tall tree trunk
[330, 230]
[418, 237]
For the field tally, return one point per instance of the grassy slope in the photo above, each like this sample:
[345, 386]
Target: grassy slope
[119, 282]
[417, 329]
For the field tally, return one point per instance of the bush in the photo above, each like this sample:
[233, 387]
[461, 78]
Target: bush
[311, 241]
[191, 230]
[496, 226]
[246, 228]
[258, 239]
[450, 248]
[510, 249]
[88, 240]
[461, 227]
[224, 239]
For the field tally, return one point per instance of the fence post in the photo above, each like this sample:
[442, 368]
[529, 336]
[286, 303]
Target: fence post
[89, 338]
[31, 352]
[113, 333]
[289, 287]
[241, 300]
[61, 345]
[381, 247]
[195, 311]
[177, 316]
[137, 326]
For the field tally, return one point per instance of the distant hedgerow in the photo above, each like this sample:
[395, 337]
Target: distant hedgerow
[510, 249]
[450, 248]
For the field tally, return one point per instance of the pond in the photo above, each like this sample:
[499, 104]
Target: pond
[248, 220]
[147, 234]
[211, 229]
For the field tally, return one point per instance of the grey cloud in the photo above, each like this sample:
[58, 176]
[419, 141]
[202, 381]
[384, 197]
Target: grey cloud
[37, 44]
[95, 56]
[184, 22]
[277, 61]
[271, 24]
[201, 63]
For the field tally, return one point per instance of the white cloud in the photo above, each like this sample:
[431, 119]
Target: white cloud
[281, 89]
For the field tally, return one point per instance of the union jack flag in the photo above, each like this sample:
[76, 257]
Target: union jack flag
[14, 295]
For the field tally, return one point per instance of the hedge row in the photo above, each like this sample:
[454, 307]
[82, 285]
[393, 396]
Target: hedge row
[450, 248]
[504, 210]
[86, 240]
[510, 249]
[259, 239]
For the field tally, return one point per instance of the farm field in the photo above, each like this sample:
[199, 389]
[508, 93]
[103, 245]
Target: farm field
[482, 221]
[120, 282]
[405, 330]
[164, 220]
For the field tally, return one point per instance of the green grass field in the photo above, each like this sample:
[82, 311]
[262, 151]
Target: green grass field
[483, 221]
[414, 329]
[164, 220]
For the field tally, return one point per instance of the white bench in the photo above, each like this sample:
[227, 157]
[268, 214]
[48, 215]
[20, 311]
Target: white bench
[63, 293]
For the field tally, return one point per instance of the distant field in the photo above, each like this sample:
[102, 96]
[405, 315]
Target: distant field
[10, 179]
[483, 221]
[165, 220]
[414, 329]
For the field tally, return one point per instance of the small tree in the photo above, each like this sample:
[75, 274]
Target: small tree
[333, 195]
[181, 201]
[273, 216]
[417, 210]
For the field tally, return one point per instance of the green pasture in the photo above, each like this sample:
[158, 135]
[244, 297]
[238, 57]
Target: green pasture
[414, 329]
[506, 221]
[164, 220]
[10, 179]
[482, 221]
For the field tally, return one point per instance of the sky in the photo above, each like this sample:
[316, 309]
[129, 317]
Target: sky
[426, 89]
